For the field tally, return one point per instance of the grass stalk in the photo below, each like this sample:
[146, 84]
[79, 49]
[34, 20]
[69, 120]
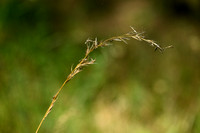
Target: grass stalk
[86, 60]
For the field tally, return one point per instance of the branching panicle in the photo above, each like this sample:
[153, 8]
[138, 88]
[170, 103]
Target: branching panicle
[91, 46]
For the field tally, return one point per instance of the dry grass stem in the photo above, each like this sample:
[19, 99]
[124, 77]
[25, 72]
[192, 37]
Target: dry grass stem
[91, 46]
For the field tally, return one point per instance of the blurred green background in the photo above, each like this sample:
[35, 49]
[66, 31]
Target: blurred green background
[130, 89]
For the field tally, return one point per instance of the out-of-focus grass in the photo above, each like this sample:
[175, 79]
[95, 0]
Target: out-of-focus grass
[131, 88]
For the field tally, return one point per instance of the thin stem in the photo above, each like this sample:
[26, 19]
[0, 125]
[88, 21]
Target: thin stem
[91, 46]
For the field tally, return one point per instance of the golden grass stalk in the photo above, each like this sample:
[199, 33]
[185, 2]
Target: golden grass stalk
[91, 46]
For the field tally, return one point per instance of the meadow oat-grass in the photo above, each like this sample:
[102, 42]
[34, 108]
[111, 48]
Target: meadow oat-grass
[86, 60]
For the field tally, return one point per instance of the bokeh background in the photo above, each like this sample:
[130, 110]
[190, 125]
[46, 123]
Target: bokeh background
[130, 88]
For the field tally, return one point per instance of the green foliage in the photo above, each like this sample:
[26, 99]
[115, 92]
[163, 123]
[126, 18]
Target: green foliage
[129, 89]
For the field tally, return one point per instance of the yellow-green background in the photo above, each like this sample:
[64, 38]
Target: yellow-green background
[130, 88]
